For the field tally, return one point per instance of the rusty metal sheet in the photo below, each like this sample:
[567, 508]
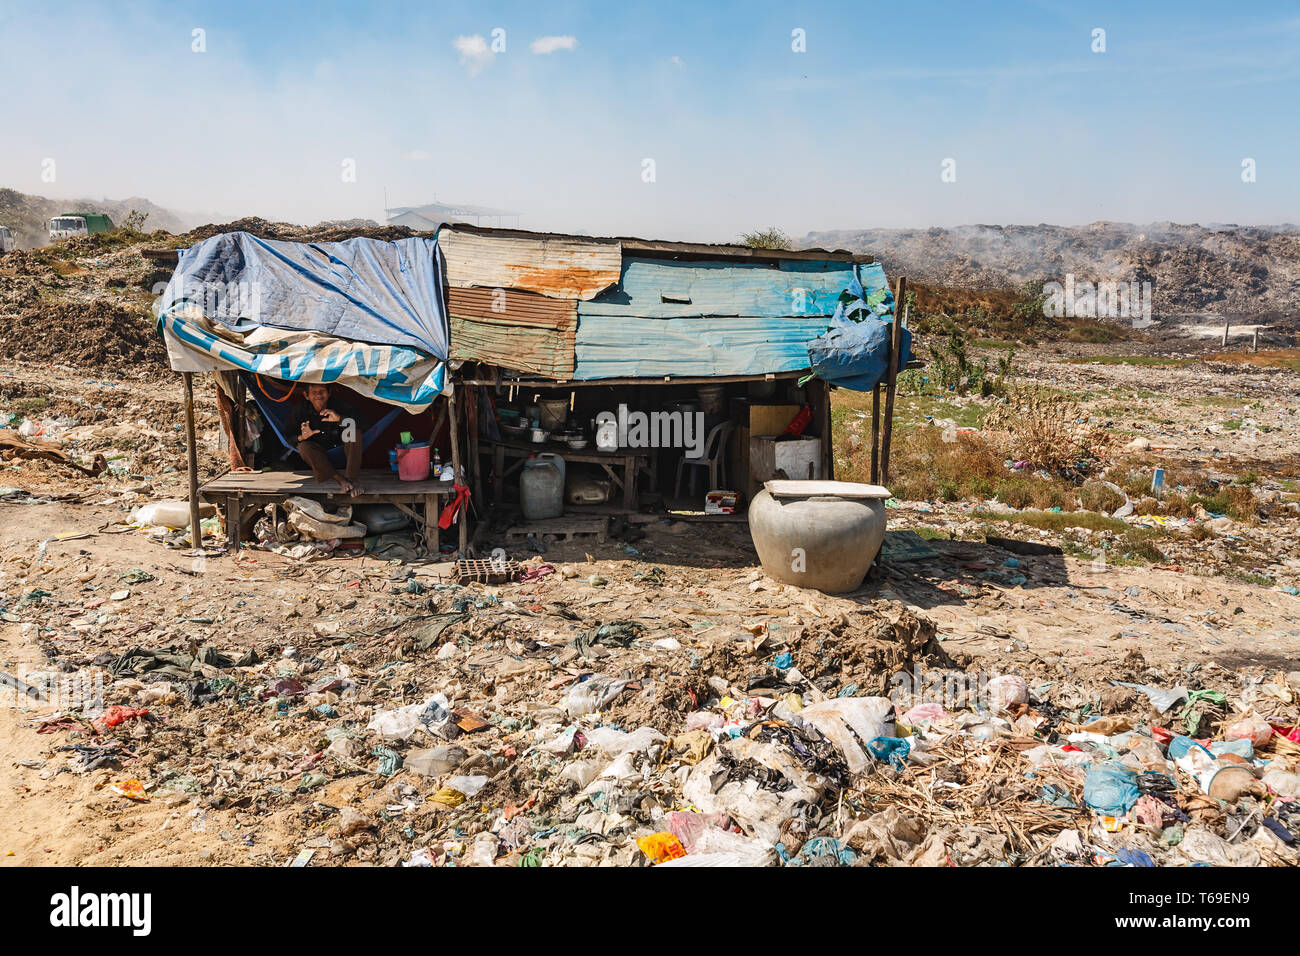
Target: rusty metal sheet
[512, 307]
[563, 267]
[534, 349]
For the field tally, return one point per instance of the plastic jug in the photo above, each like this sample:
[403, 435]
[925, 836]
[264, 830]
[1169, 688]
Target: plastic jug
[541, 487]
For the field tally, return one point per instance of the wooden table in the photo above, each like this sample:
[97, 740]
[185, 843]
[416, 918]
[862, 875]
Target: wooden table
[235, 489]
[630, 460]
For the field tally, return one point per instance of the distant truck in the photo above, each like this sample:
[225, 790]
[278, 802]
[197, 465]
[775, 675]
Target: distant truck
[8, 241]
[79, 224]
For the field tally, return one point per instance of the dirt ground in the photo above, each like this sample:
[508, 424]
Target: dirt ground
[255, 759]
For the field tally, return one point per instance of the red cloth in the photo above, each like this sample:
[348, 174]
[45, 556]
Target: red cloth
[799, 422]
[448, 517]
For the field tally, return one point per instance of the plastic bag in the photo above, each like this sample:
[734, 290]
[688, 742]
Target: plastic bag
[1110, 789]
[592, 694]
[838, 720]
[170, 513]
[925, 712]
[1006, 692]
[1160, 699]
[312, 521]
[401, 723]
[661, 847]
[1254, 729]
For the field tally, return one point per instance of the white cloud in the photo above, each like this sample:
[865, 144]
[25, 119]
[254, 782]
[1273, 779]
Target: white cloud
[678, 62]
[475, 54]
[544, 45]
[417, 154]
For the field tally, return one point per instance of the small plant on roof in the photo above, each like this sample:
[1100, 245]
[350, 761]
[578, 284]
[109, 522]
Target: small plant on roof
[769, 238]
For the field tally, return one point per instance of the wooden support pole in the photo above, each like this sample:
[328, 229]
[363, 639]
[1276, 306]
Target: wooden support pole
[1226, 326]
[895, 350]
[471, 423]
[192, 449]
[875, 434]
[1255, 343]
[462, 520]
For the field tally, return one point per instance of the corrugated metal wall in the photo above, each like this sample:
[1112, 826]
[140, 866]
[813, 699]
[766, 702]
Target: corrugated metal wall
[556, 266]
[517, 330]
[628, 346]
[574, 308]
[701, 318]
[663, 288]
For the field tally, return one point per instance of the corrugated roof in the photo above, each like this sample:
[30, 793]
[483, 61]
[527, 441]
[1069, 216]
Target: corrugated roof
[683, 249]
[564, 267]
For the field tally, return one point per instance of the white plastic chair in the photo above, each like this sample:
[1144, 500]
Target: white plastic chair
[713, 456]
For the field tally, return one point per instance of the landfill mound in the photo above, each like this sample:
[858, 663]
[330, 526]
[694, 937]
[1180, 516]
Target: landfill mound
[91, 335]
[1228, 269]
[331, 231]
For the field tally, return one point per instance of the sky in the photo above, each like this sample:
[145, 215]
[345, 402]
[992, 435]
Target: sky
[672, 119]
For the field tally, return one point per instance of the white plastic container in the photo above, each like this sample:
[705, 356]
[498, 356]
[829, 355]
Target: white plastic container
[541, 487]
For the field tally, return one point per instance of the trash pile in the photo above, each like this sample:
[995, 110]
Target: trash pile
[395, 717]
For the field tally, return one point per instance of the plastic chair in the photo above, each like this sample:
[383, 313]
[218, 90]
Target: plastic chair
[713, 457]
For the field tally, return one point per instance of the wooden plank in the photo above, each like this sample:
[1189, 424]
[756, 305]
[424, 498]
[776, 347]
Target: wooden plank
[523, 382]
[233, 514]
[563, 528]
[377, 483]
[768, 419]
[875, 433]
[458, 471]
[192, 452]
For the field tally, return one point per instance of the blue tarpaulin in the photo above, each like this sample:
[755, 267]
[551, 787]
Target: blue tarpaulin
[854, 352]
[365, 313]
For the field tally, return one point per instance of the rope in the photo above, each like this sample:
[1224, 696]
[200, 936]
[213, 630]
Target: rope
[262, 388]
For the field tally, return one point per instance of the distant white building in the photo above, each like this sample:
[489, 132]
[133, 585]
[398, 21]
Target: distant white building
[430, 216]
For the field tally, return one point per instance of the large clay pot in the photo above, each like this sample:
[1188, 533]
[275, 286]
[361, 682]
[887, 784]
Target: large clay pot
[811, 537]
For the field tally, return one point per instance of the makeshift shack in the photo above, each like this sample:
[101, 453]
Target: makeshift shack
[649, 373]
[268, 317]
[551, 332]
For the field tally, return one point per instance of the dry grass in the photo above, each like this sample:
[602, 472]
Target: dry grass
[1046, 429]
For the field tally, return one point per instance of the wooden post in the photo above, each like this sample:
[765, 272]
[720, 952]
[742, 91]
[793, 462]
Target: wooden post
[1226, 326]
[453, 417]
[192, 448]
[875, 434]
[1255, 344]
[895, 348]
[471, 419]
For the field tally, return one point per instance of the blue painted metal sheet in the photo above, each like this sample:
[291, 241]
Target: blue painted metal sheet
[637, 347]
[739, 320]
[665, 288]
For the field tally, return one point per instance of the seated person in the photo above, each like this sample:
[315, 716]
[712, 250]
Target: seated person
[323, 422]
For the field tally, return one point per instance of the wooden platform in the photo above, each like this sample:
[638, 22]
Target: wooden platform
[233, 490]
[563, 528]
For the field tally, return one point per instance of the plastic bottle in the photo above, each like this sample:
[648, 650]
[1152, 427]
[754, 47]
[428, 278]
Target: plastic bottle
[437, 463]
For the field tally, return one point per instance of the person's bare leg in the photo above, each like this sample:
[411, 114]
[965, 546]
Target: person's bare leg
[321, 468]
[353, 468]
